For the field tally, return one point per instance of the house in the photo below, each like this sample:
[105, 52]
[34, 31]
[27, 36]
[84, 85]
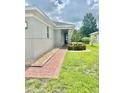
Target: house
[42, 34]
[96, 36]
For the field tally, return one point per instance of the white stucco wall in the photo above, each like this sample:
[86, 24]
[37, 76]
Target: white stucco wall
[70, 32]
[29, 46]
[97, 37]
[59, 38]
[36, 41]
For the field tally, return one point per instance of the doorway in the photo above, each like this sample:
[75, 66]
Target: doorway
[65, 38]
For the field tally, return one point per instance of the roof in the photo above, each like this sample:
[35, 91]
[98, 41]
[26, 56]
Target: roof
[61, 23]
[57, 24]
[95, 33]
[37, 9]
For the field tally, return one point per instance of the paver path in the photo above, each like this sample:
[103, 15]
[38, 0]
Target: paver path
[50, 69]
[41, 61]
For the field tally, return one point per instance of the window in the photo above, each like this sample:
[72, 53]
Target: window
[47, 32]
[26, 25]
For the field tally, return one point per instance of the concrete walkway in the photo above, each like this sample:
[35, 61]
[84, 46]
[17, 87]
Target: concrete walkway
[50, 69]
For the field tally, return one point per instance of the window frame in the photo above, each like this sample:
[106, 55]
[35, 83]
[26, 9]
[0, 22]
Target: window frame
[48, 32]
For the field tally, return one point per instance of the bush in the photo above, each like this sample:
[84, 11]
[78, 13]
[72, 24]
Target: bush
[86, 40]
[70, 47]
[76, 37]
[76, 47]
[84, 47]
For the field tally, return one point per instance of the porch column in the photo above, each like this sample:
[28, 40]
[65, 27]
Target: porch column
[70, 32]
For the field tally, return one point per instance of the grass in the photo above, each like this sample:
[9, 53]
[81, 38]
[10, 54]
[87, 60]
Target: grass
[79, 74]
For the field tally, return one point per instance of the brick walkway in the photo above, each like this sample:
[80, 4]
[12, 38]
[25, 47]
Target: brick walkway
[41, 61]
[50, 69]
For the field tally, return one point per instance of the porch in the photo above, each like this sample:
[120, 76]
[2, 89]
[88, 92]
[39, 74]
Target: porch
[62, 37]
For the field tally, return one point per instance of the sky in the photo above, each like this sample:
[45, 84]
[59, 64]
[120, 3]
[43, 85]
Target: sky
[71, 11]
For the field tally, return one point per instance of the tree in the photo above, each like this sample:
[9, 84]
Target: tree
[82, 32]
[76, 36]
[89, 25]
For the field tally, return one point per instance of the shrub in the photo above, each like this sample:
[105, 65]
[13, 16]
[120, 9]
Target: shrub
[84, 47]
[76, 47]
[86, 40]
[76, 37]
[70, 47]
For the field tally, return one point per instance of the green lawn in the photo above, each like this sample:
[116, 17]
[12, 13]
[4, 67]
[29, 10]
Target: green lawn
[79, 74]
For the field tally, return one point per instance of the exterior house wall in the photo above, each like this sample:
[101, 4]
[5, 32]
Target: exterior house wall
[70, 32]
[97, 38]
[59, 38]
[62, 38]
[29, 46]
[37, 42]
[96, 35]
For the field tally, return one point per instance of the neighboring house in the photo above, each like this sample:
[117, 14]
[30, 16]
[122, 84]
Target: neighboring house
[96, 35]
[43, 34]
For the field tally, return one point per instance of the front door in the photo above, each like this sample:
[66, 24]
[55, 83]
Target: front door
[65, 38]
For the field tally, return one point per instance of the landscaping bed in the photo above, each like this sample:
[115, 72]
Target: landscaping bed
[76, 46]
